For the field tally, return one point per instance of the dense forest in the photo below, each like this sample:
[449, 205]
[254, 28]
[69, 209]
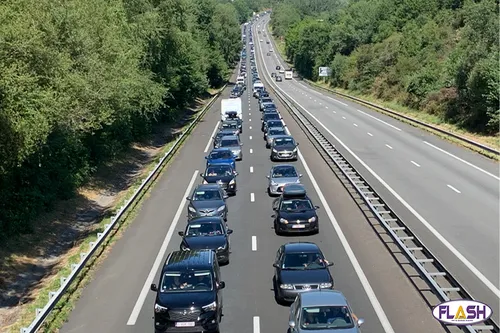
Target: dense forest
[436, 56]
[80, 80]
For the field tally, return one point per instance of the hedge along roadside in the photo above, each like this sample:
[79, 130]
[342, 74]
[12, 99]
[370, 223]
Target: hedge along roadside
[65, 282]
[473, 145]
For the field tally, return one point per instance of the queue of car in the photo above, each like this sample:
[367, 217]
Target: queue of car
[189, 291]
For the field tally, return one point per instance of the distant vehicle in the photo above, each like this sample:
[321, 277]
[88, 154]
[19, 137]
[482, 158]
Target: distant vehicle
[220, 135]
[288, 75]
[278, 68]
[189, 285]
[282, 71]
[230, 124]
[294, 205]
[208, 233]
[284, 148]
[267, 117]
[273, 123]
[207, 200]
[300, 267]
[230, 105]
[233, 143]
[323, 310]
[278, 79]
[281, 175]
[268, 53]
[222, 174]
[221, 156]
[272, 133]
[273, 74]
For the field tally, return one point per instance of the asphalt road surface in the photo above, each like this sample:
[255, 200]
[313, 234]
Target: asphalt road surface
[447, 195]
[118, 298]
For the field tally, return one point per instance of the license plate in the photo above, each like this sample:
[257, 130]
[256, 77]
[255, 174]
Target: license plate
[298, 226]
[185, 324]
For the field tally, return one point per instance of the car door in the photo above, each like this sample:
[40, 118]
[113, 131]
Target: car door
[270, 179]
[220, 301]
[278, 261]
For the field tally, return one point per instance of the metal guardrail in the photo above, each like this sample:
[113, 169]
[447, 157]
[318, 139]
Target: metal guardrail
[394, 113]
[435, 274]
[408, 118]
[55, 296]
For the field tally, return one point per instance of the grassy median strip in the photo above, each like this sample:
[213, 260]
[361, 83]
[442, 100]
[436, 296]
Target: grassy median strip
[61, 312]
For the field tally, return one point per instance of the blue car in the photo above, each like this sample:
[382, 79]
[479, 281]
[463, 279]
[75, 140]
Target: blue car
[221, 156]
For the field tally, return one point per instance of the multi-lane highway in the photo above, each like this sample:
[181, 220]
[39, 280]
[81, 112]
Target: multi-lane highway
[447, 195]
[118, 298]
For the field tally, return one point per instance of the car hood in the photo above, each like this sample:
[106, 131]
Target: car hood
[311, 276]
[214, 179]
[285, 180]
[293, 216]
[222, 161]
[186, 299]
[272, 137]
[205, 242]
[336, 330]
[284, 147]
[233, 149]
[207, 204]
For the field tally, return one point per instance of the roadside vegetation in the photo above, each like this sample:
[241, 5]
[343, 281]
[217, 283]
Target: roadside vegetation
[437, 59]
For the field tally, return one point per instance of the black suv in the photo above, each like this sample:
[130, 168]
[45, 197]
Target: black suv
[294, 211]
[300, 267]
[189, 293]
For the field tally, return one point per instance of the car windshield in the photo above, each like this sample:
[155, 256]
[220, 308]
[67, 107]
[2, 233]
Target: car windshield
[295, 205]
[229, 143]
[224, 133]
[266, 100]
[277, 132]
[275, 123]
[204, 229]
[326, 317]
[207, 195]
[303, 261]
[219, 170]
[182, 282]
[225, 154]
[269, 106]
[230, 125]
[284, 141]
[284, 172]
[268, 116]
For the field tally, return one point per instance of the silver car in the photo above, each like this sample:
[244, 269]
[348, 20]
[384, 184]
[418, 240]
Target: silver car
[273, 133]
[323, 311]
[233, 143]
[279, 176]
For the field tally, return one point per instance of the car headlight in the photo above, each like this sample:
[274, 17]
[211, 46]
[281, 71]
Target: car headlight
[159, 308]
[210, 307]
[274, 150]
[221, 208]
[295, 150]
[223, 247]
[185, 248]
[312, 219]
[191, 209]
[286, 286]
[204, 181]
[284, 221]
[298, 181]
[232, 182]
[325, 285]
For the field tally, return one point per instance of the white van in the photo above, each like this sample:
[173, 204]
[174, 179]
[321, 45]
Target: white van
[240, 80]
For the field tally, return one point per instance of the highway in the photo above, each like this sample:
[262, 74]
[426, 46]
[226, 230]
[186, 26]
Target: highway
[118, 297]
[448, 195]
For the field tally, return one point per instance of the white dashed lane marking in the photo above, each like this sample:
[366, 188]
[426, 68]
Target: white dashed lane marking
[388, 146]
[252, 197]
[415, 164]
[454, 189]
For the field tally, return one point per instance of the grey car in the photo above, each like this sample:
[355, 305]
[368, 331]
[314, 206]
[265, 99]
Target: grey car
[322, 311]
[279, 176]
[284, 148]
[207, 200]
[233, 143]
[272, 133]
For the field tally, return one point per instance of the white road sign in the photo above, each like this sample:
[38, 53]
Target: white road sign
[324, 71]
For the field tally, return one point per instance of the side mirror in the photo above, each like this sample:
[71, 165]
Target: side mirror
[225, 196]
[297, 144]
[201, 175]
[275, 265]
[274, 215]
[206, 157]
[291, 324]
[229, 231]
[155, 288]
[301, 175]
[361, 321]
[241, 144]
[317, 207]
[222, 285]
[188, 199]
[267, 176]
[236, 173]
[330, 264]
[181, 233]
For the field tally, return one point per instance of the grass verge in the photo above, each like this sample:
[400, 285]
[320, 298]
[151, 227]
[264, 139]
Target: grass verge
[491, 141]
[61, 312]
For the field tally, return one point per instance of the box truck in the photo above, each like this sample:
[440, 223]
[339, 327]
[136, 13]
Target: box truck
[230, 105]
[288, 74]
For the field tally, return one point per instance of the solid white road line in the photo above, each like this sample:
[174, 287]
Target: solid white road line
[159, 258]
[388, 146]
[254, 243]
[252, 197]
[440, 237]
[211, 136]
[251, 169]
[462, 160]
[433, 230]
[454, 189]
[333, 99]
[251, 150]
[415, 163]
[379, 120]
[256, 325]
